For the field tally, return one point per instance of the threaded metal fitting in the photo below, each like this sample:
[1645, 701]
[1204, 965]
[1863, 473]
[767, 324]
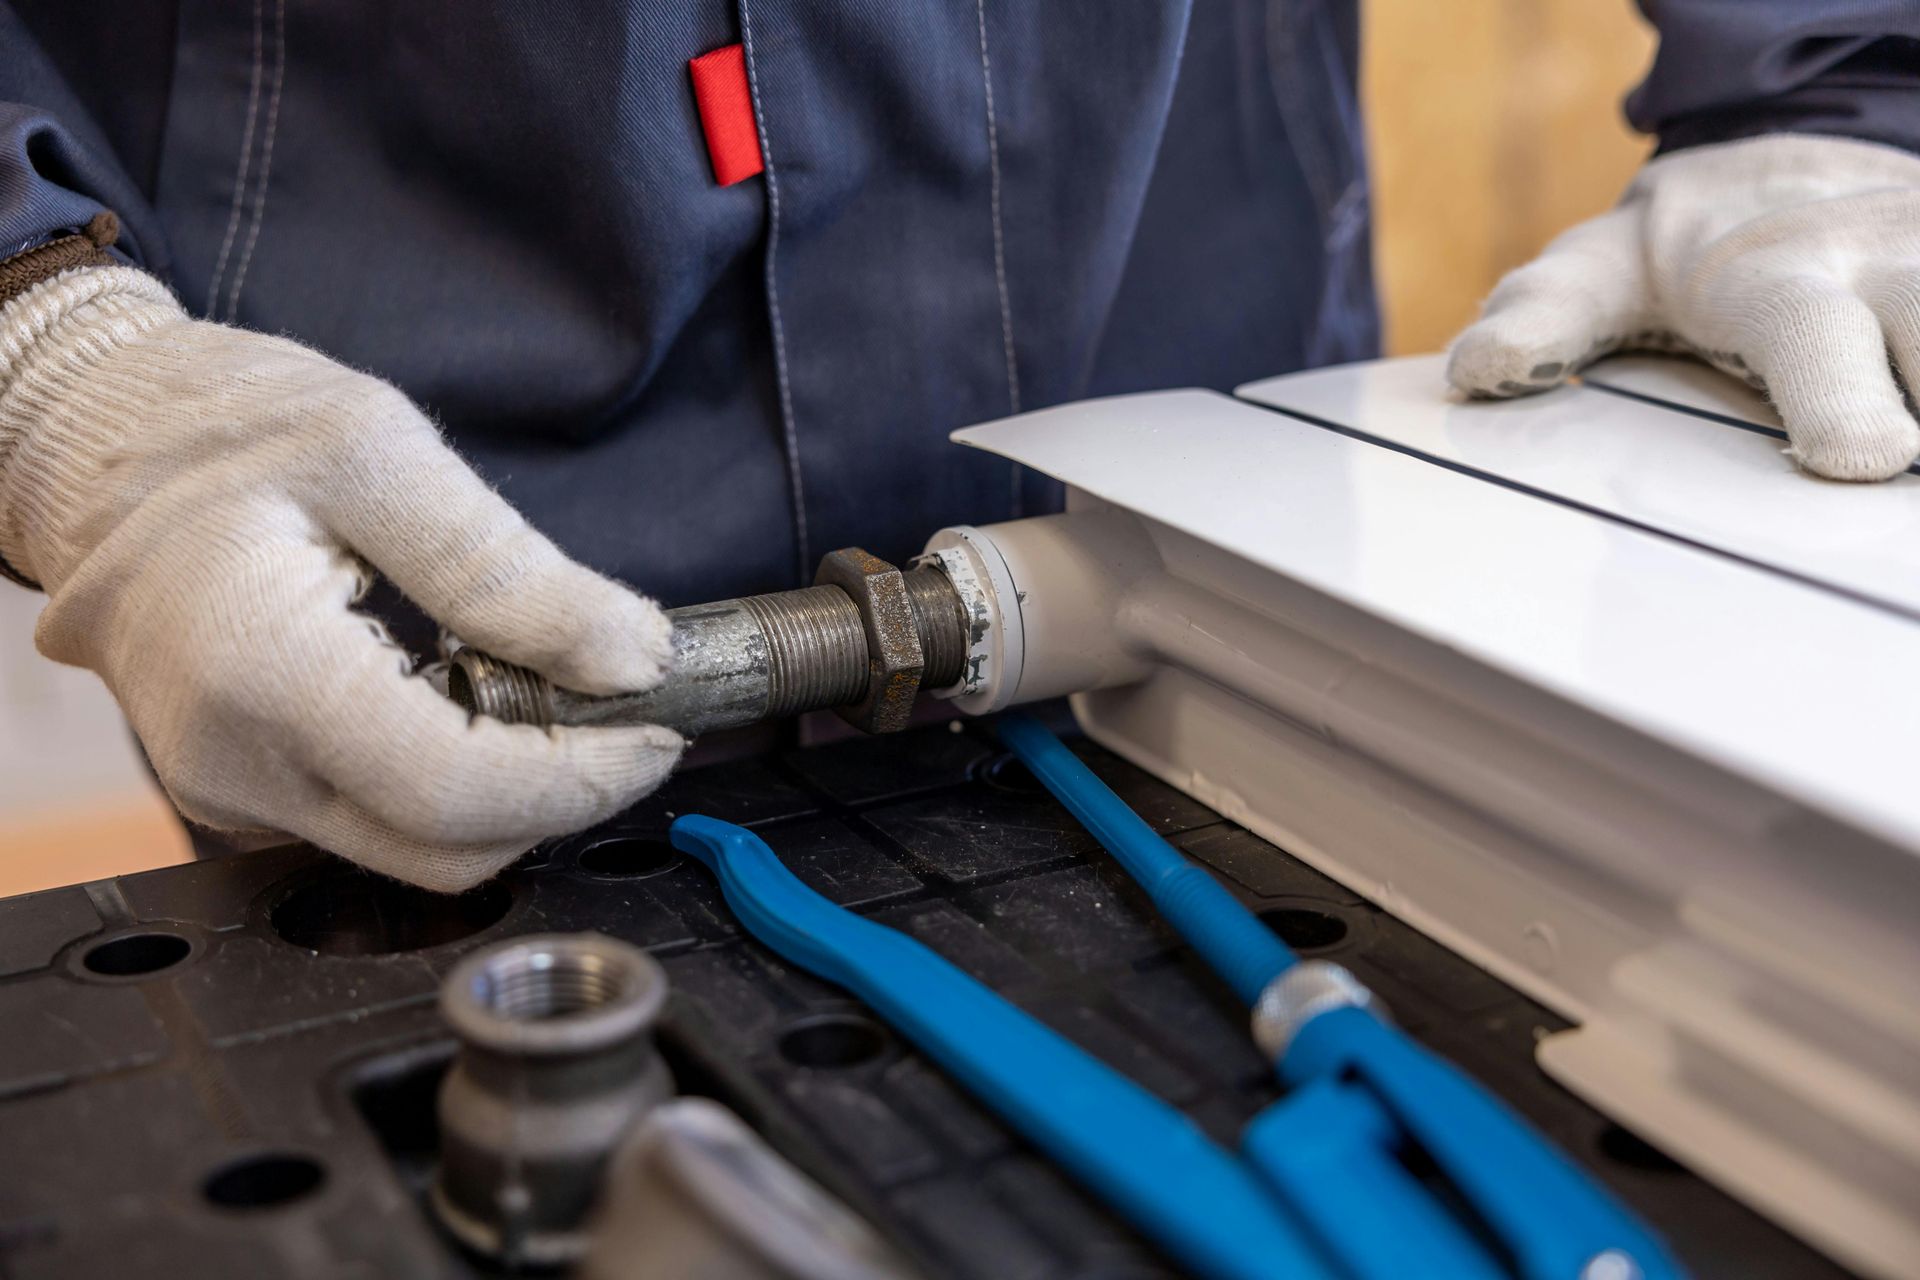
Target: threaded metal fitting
[557, 1063]
[738, 662]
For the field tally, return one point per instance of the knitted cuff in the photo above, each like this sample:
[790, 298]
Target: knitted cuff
[55, 341]
[88, 248]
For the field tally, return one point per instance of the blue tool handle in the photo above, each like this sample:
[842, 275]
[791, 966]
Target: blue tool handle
[1553, 1221]
[1231, 939]
[1202, 1204]
[1544, 1211]
[1331, 1152]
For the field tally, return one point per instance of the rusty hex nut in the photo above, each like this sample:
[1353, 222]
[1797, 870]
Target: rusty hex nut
[895, 660]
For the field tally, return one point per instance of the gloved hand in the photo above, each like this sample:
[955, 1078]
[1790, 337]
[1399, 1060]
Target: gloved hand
[195, 500]
[1790, 261]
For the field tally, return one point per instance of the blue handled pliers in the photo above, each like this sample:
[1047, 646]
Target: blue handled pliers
[1201, 1203]
[1362, 1096]
[1322, 1186]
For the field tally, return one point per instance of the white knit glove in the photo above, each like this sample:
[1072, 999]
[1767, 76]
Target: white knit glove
[1790, 261]
[195, 499]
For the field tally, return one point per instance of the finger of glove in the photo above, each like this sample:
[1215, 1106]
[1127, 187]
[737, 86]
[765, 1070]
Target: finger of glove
[1894, 296]
[394, 748]
[410, 505]
[343, 827]
[1824, 357]
[1580, 298]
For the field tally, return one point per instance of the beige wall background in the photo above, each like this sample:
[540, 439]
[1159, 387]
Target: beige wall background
[1494, 124]
[76, 802]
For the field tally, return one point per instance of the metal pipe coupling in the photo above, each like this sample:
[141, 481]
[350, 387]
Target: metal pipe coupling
[864, 640]
[556, 1065]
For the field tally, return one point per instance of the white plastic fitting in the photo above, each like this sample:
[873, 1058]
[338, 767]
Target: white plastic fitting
[1044, 596]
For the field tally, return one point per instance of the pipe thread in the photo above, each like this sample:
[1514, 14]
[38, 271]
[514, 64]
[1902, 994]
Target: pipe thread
[816, 648]
[941, 620]
[485, 685]
[552, 985]
[816, 657]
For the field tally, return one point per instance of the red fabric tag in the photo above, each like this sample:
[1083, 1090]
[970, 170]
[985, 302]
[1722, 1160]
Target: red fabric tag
[726, 113]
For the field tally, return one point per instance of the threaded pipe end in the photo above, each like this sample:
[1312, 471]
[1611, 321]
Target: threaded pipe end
[941, 620]
[816, 648]
[486, 686]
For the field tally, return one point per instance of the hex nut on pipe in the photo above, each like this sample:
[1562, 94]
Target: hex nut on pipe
[556, 1065]
[895, 659]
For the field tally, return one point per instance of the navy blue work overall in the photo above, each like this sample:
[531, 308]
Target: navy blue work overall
[968, 208]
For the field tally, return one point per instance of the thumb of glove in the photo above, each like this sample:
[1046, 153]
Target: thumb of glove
[1583, 296]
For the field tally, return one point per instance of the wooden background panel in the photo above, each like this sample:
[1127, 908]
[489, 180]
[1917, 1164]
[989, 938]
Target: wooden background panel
[1494, 125]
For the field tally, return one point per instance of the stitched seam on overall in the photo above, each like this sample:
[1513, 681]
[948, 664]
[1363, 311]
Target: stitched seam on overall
[1015, 506]
[999, 238]
[266, 155]
[789, 428]
[246, 155]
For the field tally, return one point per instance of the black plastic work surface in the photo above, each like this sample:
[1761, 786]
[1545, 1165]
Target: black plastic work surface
[248, 1089]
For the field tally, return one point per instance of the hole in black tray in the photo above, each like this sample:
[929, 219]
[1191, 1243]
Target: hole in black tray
[264, 1182]
[834, 1041]
[401, 1101]
[1623, 1146]
[630, 856]
[1304, 929]
[1007, 773]
[345, 912]
[136, 953]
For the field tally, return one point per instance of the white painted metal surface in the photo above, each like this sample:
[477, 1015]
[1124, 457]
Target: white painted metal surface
[1668, 790]
[1722, 480]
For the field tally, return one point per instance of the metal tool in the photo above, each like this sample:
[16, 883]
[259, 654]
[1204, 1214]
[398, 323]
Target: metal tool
[557, 1063]
[696, 1193]
[864, 640]
[1362, 1096]
[1202, 1204]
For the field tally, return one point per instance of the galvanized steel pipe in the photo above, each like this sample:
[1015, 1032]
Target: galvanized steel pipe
[735, 662]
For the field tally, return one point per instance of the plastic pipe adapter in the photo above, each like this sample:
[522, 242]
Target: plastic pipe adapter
[1042, 598]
